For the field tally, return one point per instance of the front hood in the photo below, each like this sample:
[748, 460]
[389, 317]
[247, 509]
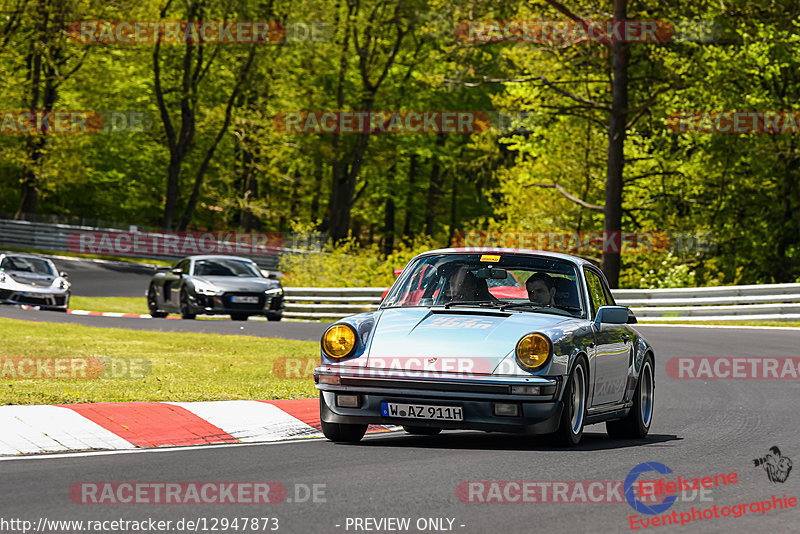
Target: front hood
[236, 283]
[458, 339]
[31, 279]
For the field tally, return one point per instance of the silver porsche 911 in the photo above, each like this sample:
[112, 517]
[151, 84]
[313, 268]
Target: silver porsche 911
[215, 285]
[443, 351]
[33, 280]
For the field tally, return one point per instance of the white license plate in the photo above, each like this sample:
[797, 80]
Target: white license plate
[422, 411]
[244, 299]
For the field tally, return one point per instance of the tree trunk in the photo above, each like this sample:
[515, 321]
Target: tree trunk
[388, 226]
[612, 224]
[434, 189]
[412, 174]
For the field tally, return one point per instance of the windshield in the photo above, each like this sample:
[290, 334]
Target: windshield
[521, 282]
[25, 264]
[226, 267]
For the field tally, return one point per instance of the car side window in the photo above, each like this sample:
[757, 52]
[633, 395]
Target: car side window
[596, 292]
[184, 266]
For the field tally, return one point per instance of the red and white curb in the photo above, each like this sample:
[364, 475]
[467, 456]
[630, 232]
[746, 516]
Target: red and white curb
[116, 314]
[130, 425]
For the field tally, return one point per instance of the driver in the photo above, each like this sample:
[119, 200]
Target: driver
[541, 289]
[465, 286]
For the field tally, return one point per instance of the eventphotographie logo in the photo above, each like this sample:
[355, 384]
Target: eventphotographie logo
[777, 466]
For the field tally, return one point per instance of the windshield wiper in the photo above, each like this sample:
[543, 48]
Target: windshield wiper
[471, 303]
[538, 307]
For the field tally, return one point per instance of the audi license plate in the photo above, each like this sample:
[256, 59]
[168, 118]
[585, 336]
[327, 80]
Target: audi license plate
[422, 411]
[244, 299]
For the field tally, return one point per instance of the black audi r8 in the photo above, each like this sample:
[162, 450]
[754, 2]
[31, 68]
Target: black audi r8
[215, 285]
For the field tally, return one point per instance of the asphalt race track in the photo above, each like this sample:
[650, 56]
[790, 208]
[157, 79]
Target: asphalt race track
[106, 279]
[701, 428]
[223, 325]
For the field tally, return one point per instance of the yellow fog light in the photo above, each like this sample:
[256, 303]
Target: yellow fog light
[339, 341]
[533, 351]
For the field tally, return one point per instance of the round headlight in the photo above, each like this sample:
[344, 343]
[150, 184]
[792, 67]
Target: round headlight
[339, 341]
[533, 351]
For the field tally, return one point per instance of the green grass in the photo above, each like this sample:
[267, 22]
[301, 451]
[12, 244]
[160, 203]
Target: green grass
[110, 304]
[184, 366]
[728, 323]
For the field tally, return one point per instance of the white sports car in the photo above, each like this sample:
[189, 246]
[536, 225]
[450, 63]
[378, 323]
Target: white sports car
[32, 280]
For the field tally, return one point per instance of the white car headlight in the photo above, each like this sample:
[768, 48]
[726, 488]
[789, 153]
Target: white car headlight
[204, 288]
[274, 292]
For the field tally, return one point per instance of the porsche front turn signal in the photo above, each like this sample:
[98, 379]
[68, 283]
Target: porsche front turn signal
[533, 351]
[339, 341]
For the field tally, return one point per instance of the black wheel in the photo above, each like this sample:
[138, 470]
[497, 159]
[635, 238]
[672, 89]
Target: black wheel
[152, 304]
[637, 423]
[342, 433]
[186, 308]
[573, 415]
[239, 316]
[273, 317]
[421, 430]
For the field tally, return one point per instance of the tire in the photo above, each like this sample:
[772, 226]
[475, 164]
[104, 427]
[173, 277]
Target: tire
[152, 304]
[573, 416]
[239, 316]
[422, 430]
[637, 423]
[274, 317]
[342, 433]
[186, 308]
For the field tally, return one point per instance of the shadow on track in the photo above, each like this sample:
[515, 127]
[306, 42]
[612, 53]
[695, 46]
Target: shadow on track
[592, 441]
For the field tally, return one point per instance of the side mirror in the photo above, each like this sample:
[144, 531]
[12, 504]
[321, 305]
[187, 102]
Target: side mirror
[272, 275]
[631, 317]
[611, 315]
[63, 275]
[177, 271]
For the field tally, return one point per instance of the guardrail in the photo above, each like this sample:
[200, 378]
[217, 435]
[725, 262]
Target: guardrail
[768, 302]
[56, 237]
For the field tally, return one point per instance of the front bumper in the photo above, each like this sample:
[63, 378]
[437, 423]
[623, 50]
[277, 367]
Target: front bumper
[42, 298]
[222, 305]
[476, 396]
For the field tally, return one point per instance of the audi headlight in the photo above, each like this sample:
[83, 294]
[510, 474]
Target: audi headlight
[339, 341]
[533, 351]
[274, 292]
[204, 288]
